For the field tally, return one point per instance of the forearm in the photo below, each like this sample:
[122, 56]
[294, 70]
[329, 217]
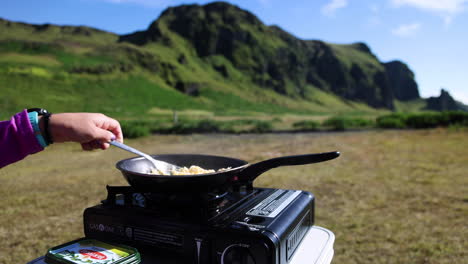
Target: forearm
[17, 139]
[24, 134]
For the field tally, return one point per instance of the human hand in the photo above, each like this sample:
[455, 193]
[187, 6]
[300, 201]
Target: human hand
[91, 130]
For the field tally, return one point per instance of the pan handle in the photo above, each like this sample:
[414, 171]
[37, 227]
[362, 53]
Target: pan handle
[254, 170]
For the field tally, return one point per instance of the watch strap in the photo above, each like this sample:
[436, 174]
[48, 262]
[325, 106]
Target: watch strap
[45, 116]
[47, 135]
[33, 119]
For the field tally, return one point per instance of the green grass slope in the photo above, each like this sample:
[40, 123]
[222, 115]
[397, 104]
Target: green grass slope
[66, 70]
[77, 68]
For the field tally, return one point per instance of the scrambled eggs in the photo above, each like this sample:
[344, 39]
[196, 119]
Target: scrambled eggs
[186, 171]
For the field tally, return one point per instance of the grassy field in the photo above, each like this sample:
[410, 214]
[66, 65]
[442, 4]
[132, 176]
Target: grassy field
[392, 196]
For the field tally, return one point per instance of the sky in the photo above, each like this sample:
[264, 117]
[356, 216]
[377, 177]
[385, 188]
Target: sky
[430, 36]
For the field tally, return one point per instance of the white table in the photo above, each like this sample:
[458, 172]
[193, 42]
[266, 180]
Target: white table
[316, 248]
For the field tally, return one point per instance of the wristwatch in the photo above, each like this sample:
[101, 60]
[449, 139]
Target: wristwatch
[34, 113]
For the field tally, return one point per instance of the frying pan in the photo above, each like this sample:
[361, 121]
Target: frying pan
[135, 171]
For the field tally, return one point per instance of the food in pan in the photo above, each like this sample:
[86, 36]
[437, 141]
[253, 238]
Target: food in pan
[186, 171]
[192, 170]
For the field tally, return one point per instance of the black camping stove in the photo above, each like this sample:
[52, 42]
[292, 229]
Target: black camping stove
[246, 225]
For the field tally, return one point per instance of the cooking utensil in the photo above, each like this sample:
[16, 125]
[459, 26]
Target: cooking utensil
[135, 171]
[161, 166]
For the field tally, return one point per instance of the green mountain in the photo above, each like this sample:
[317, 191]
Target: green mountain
[228, 38]
[215, 58]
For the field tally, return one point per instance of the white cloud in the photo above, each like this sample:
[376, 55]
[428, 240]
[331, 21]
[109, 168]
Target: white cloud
[406, 30]
[330, 8]
[450, 6]
[447, 9]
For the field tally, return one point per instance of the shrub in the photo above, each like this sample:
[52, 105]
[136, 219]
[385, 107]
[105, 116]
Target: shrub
[360, 122]
[308, 125]
[423, 120]
[262, 127]
[179, 128]
[459, 118]
[335, 123]
[343, 123]
[135, 130]
[187, 127]
[206, 126]
[426, 120]
[277, 119]
[391, 121]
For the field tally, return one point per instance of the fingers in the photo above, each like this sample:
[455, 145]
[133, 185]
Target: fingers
[103, 135]
[95, 144]
[90, 145]
[105, 129]
[104, 146]
[112, 126]
[86, 146]
[115, 128]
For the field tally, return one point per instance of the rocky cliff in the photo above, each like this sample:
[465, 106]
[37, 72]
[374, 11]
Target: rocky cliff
[274, 59]
[401, 79]
[444, 102]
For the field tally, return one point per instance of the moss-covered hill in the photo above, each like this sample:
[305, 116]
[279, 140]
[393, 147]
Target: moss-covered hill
[216, 58]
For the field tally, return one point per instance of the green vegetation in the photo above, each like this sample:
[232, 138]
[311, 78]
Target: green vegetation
[118, 81]
[423, 120]
[122, 97]
[135, 129]
[168, 68]
[307, 125]
[345, 123]
[253, 80]
[192, 124]
[391, 121]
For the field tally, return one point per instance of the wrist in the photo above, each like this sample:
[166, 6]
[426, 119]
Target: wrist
[34, 120]
[41, 125]
[40, 121]
[59, 128]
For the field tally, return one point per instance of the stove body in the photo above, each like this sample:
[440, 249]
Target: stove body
[248, 225]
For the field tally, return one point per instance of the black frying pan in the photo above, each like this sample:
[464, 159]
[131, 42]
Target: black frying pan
[135, 171]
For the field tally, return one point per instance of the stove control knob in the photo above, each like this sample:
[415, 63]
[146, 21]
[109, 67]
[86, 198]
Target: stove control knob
[237, 254]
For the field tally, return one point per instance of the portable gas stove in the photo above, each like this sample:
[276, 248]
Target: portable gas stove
[241, 225]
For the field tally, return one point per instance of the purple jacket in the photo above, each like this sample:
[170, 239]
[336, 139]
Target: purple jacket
[17, 139]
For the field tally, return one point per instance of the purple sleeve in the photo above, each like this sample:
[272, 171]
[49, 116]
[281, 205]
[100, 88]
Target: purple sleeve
[17, 139]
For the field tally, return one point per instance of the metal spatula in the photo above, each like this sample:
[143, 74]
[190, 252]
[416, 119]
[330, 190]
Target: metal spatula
[162, 167]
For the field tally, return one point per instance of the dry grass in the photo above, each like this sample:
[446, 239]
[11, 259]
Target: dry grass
[392, 197]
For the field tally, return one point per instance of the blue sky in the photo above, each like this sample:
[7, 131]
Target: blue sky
[431, 36]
